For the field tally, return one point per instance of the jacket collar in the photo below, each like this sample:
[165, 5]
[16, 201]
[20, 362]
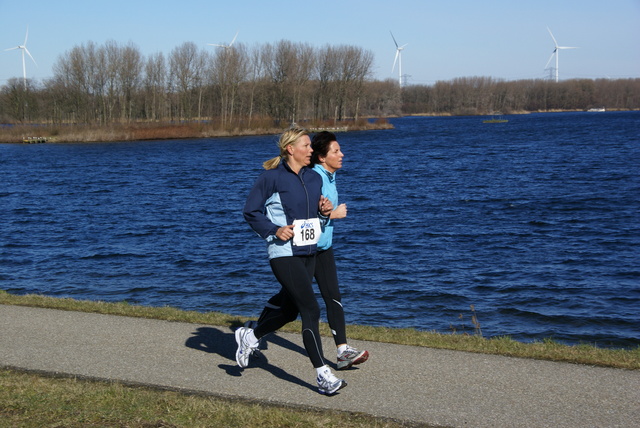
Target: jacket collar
[286, 166]
[319, 168]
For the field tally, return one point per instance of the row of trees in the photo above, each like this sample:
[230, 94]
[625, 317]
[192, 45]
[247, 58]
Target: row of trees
[484, 95]
[113, 83]
[283, 81]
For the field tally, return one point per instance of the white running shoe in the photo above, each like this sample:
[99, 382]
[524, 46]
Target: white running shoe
[328, 383]
[244, 348]
[351, 356]
[256, 351]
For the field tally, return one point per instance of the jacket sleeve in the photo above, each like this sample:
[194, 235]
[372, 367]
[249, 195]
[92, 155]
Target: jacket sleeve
[254, 209]
[324, 220]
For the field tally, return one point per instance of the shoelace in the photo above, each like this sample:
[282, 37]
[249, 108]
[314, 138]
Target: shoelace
[349, 352]
[329, 377]
[250, 347]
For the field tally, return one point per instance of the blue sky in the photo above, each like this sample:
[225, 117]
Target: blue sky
[505, 39]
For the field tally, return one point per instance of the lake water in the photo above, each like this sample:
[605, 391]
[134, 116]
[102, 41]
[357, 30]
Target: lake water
[534, 222]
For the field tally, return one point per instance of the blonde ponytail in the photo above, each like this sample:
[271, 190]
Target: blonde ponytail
[272, 163]
[287, 138]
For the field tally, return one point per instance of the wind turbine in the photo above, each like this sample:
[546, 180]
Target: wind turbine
[225, 46]
[398, 59]
[24, 49]
[556, 51]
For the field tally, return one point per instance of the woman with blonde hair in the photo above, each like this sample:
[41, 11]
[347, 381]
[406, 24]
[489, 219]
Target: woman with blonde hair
[326, 160]
[286, 208]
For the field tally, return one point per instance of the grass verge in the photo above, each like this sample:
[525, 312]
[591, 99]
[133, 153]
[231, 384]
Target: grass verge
[31, 400]
[543, 350]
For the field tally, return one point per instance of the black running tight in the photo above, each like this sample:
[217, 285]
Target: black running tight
[295, 274]
[327, 278]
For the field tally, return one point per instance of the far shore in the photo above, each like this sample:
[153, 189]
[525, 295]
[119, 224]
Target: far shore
[148, 131]
[49, 133]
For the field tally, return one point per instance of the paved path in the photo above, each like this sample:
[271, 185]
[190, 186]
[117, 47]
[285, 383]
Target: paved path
[414, 384]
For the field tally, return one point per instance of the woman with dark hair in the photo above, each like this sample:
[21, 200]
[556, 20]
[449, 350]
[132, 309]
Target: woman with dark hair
[286, 208]
[326, 159]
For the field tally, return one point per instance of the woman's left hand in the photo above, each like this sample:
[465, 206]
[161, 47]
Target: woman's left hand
[325, 206]
[340, 212]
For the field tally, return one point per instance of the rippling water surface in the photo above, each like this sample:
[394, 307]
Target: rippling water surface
[535, 222]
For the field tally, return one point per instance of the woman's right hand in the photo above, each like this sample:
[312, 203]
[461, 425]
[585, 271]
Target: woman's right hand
[285, 233]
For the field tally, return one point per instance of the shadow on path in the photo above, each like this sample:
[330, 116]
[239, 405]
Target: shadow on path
[212, 340]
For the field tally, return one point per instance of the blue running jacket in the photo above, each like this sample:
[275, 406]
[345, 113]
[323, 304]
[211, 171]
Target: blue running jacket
[279, 197]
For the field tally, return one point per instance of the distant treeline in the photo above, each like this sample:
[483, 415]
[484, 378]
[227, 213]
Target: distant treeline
[484, 95]
[285, 82]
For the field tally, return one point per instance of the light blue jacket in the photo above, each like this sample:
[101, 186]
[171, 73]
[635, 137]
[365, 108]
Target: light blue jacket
[329, 191]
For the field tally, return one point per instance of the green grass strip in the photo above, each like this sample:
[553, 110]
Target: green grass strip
[547, 349]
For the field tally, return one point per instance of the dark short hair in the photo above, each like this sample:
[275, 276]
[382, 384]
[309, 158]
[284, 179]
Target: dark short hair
[320, 144]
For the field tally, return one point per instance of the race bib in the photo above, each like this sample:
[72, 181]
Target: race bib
[306, 232]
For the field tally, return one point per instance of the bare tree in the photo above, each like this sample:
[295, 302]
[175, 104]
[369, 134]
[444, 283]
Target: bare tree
[288, 67]
[277, 60]
[74, 81]
[186, 68]
[302, 68]
[18, 99]
[155, 86]
[255, 75]
[229, 69]
[383, 98]
[129, 74]
[356, 67]
[327, 66]
[340, 73]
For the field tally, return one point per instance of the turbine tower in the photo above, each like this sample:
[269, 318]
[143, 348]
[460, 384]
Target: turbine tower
[555, 53]
[398, 59]
[225, 46]
[24, 49]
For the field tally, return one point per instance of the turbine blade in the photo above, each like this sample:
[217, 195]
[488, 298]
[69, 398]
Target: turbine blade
[550, 58]
[12, 49]
[29, 53]
[26, 36]
[395, 60]
[234, 39]
[554, 39]
[394, 39]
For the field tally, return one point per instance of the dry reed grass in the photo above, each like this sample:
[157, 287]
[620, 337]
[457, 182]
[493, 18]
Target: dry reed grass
[141, 131]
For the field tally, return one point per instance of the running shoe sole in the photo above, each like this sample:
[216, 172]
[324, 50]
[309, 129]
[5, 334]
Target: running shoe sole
[332, 391]
[359, 359]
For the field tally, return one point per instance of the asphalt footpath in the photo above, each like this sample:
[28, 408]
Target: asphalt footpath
[416, 385]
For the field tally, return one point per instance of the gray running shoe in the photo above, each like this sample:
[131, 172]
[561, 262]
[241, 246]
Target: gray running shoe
[244, 348]
[328, 383]
[351, 356]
